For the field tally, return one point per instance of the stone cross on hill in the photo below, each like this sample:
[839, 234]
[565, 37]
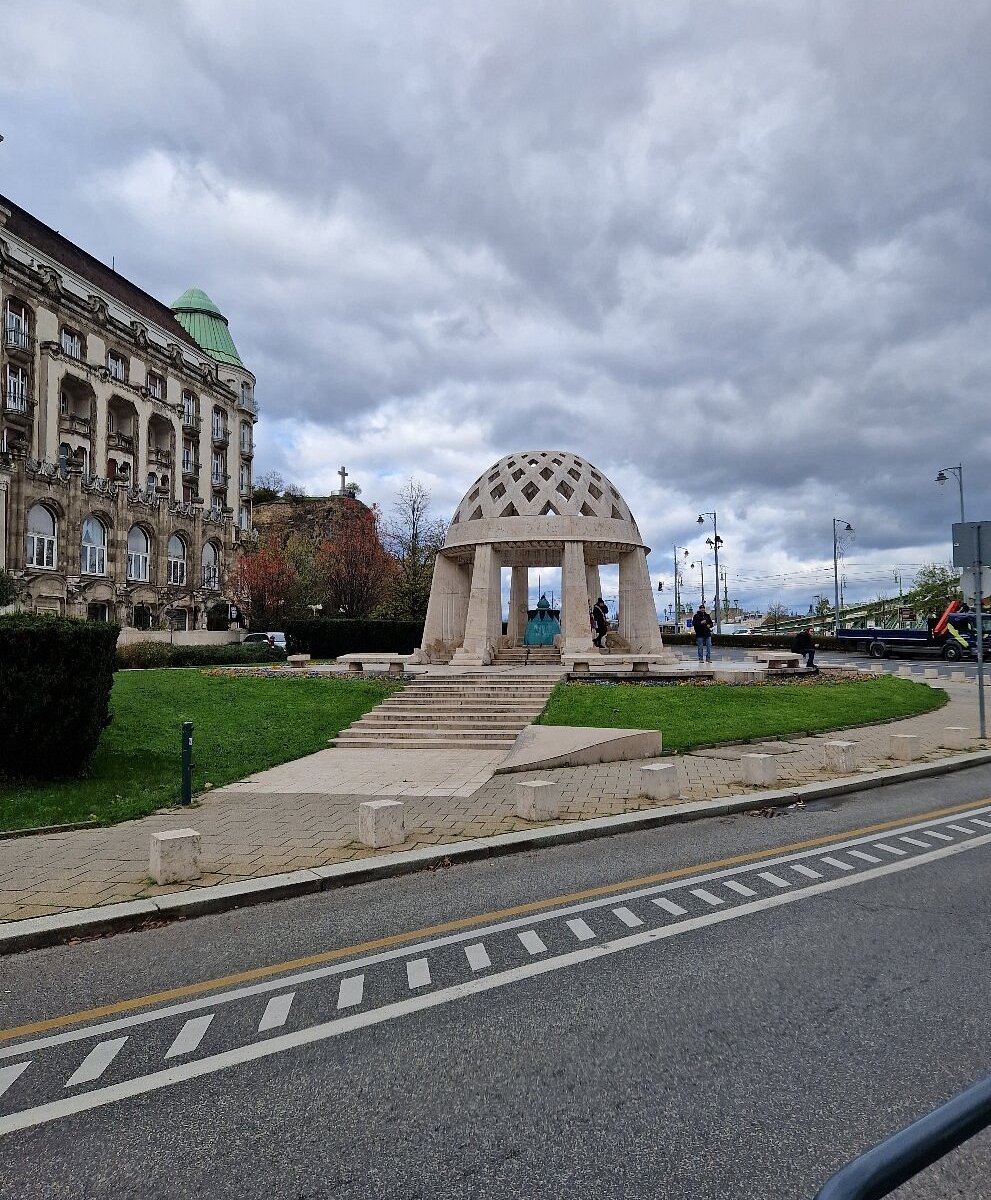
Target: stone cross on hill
[342, 471]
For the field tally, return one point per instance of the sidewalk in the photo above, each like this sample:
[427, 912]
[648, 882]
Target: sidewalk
[303, 814]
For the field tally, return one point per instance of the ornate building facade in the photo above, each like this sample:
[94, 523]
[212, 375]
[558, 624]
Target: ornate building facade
[126, 438]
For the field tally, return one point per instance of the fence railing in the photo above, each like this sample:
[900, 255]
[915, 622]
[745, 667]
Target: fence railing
[878, 1172]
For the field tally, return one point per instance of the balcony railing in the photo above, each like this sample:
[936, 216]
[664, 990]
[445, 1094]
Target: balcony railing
[16, 401]
[190, 466]
[73, 423]
[120, 441]
[191, 421]
[221, 437]
[219, 479]
[162, 458]
[16, 337]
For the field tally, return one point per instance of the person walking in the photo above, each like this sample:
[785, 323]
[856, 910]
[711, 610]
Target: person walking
[804, 645]
[702, 624]
[600, 615]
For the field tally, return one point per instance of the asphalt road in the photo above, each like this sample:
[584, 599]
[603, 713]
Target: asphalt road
[731, 1008]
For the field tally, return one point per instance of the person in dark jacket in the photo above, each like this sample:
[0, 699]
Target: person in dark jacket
[803, 644]
[702, 624]
[600, 615]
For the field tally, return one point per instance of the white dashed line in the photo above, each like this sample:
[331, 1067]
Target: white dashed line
[580, 929]
[531, 942]
[629, 919]
[838, 863]
[478, 957]
[418, 973]
[889, 849]
[189, 1037]
[9, 1074]
[962, 829]
[276, 1012]
[978, 821]
[96, 1062]
[775, 879]
[916, 842]
[943, 837]
[709, 897]
[864, 857]
[801, 869]
[669, 906]
[351, 991]
[741, 889]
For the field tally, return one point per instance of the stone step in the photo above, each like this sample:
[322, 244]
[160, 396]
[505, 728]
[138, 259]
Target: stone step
[441, 722]
[405, 736]
[345, 742]
[516, 712]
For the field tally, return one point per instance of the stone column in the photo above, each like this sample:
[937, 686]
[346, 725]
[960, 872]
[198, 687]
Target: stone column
[518, 614]
[593, 583]
[637, 615]
[484, 608]
[448, 605]
[574, 601]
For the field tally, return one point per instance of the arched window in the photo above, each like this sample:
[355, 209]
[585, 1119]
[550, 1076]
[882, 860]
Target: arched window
[94, 554]
[42, 550]
[211, 563]
[137, 555]
[177, 561]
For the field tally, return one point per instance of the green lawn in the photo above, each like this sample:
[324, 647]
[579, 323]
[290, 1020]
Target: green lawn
[241, 725]
[690, 715]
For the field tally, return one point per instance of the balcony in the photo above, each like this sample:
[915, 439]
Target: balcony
[120, 441]
[73, 423]
[221, 437]
[246, 403]
[18, 341]
[159, 457]
[16, 402]
[191, 423]
[220, 479]
[247, 451]
[191, 468]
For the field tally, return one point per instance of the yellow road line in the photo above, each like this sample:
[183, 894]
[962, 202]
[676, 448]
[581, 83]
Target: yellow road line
[396, 939]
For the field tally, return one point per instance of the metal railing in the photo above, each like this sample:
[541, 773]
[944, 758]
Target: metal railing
[16, 337]
[878, 1172]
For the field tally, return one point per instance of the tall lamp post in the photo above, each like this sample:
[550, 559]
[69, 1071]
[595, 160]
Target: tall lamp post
[715, 542]
[847, 528]
[677, 593]
[958, 471]
[701, 566]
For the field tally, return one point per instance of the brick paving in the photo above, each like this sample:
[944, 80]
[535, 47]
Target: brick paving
[304, 814]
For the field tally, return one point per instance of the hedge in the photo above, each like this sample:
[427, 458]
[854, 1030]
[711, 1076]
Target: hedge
[56, 674]
[325, 637]
[148, 655]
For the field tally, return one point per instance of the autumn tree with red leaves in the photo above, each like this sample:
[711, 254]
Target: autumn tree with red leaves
[263, 582]
[354, 569]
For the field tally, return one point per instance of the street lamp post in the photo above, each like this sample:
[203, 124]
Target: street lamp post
[701, 566]
[848, 528]
[958, 471]
[715, 542]
[677, 593]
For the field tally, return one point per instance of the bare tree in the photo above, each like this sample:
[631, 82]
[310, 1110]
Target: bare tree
[412, 536]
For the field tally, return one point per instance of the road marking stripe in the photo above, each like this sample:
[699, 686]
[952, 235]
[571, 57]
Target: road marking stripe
[96, 1062]
[276, 1012]
[943, 837]
[740, 888]
[669, 906]
[871, 858]
[978, 821]
[775, 879]
[531, 942]
[839, 863]
[418, 973]
[915, 842]
[189, 1036]
[9, 1074]
[629, 919]
[351, 992]
[478, 957]
[890, 849]
[710, 898]
[462, 923]
[582, 931]
[801, 869]
[962, 829]
[97, 1098]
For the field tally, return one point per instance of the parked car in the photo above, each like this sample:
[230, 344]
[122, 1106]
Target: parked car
[273, 639]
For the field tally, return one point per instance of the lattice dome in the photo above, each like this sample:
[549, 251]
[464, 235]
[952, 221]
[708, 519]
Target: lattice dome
[541, 483]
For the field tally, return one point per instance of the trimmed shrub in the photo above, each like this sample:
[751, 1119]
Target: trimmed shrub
[8, 592]
[56, 674]
[325, 637]
[762, 641]
[148, 655]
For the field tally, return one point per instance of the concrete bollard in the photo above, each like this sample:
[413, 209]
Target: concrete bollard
[956, 737]
[905, 746]
[759, 770]
[175, 856]
[930, 673]
[904, 671]
[537, 800]
[960, 677]
[659, 781]
[381, 823]
[840, 757]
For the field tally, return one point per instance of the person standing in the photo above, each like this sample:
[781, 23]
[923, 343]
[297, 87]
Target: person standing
[702, 624]
[803, 644]
[600, 615]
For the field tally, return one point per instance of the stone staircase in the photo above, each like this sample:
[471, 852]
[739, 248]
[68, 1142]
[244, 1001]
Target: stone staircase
[471, 711]
[528, 656]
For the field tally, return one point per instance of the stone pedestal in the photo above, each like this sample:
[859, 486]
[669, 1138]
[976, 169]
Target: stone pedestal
[759, 770]
[840, 757]
[956, 737]
[904, 746]
[537, 800]
[659, 781]
[175, 856]
[382, 823]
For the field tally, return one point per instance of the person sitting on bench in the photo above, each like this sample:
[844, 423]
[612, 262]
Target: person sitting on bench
[803, 644]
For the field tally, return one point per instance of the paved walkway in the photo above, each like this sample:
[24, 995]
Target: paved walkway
[303, 814]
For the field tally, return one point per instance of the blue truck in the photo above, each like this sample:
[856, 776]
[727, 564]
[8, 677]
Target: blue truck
[952, 637]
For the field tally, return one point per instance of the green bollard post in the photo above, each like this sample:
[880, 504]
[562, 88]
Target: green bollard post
[187, 762]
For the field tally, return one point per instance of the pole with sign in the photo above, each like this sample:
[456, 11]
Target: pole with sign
[969, 538]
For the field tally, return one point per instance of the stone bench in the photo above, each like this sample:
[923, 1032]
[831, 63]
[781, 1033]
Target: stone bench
[775, 660]
[297, 660]
[356, 663]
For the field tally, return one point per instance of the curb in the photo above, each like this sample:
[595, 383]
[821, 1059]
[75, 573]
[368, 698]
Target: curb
[39, 932]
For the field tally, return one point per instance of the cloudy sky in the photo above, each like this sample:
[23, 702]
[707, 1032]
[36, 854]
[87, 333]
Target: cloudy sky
[737, 254]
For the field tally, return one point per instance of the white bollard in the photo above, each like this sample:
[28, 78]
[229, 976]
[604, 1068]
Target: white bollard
[905, 746]
[537, 800]
[956, 737]
[381, 823]
[759, 770]
[904, 671]
[840, 757]
[930, 673]
[175, 856]
[960, 677]
[659, 781]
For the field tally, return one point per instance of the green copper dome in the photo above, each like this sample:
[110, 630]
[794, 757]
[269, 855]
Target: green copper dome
[206, 325]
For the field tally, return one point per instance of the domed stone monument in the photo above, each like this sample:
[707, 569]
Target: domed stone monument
[540, 508]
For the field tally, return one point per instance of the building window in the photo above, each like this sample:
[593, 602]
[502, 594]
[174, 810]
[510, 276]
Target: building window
[246, 399]
[156, 385]
[137, 555]
[217, 470]
[94, 555]
[117, 366]
[63, 404]
[219, 425]
[188, 408]
[211, 565]
[245, 438]
[177, 561]
[187, 455]
[245, 518]
[16, 389]
[187, 493]
[42, 550]
[244, 480]
[17, 325]
[97, 612]
[71, 342]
